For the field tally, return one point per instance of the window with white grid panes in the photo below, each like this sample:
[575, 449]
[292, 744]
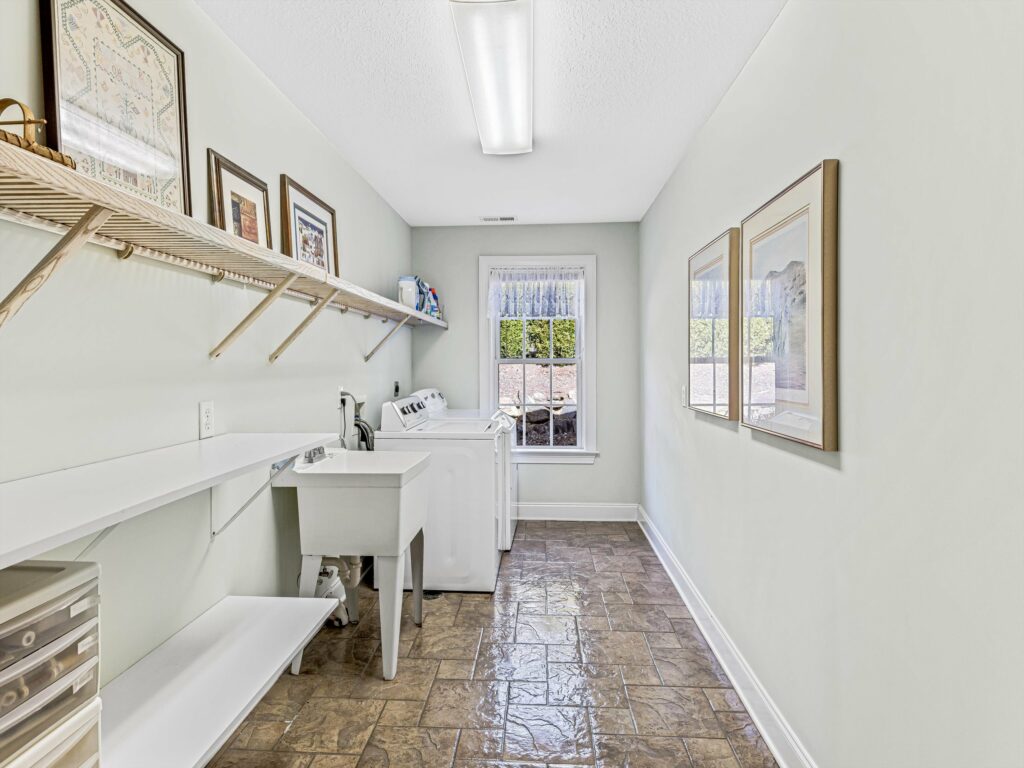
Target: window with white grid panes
[537, 372]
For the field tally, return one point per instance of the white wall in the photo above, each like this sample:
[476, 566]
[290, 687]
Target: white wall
[447, 257]
[111, 358]
[876, 592]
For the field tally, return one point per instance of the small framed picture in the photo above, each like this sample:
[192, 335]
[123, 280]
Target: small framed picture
[308, 227]
[788, 278]
[114, 89]
[239, 202]
[714, 348]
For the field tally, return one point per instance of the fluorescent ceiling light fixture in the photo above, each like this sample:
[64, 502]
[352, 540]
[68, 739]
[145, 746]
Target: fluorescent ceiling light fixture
[496, 42]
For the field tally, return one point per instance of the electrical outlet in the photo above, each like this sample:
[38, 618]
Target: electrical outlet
[206, 419]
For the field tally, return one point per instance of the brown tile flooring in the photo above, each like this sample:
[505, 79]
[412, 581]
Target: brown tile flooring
[584, 655]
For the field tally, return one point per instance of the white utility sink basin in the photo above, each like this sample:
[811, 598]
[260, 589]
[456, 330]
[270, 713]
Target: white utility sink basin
[347, 468]
[366, 503]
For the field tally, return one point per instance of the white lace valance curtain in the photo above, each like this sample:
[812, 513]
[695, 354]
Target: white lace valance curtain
[555, 292]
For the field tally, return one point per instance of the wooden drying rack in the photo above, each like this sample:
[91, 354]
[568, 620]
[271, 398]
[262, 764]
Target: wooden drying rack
[41, 193]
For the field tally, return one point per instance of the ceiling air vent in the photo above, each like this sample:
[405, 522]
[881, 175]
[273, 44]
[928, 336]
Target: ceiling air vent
[498, 219]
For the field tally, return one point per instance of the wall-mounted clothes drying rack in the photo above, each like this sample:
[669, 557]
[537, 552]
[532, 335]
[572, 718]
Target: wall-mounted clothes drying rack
[41, 193]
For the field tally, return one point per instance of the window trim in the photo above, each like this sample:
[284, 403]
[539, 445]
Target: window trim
[587, 452]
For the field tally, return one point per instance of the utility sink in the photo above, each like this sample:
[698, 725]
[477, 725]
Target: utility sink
[365, 503]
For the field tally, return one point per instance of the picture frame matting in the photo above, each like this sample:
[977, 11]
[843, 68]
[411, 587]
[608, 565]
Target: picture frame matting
[713, 280]
[789, 312]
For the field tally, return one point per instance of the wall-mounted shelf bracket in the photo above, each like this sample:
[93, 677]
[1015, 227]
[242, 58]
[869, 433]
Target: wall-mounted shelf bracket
[275, 470]
[97, 540]
[317, 309]
[72, 240]
[383, 341]
[249, 319]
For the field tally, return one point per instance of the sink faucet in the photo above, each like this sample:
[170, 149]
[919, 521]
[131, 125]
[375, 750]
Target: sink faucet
[342, 394]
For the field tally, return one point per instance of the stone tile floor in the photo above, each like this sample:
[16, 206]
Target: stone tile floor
[584, 655]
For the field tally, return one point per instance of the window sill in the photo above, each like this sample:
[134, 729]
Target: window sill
[556, 456]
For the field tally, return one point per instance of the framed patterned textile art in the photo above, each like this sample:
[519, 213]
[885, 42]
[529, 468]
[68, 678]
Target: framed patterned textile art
[115, 98]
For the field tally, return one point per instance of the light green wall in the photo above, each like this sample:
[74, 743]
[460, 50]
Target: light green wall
[111, 357]
[874, 592]
[448, 257]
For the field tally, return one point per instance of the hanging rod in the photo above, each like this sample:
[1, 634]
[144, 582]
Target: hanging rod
[128, 251]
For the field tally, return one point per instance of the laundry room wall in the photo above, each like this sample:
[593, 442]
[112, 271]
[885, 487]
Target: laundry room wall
[448, 258]
[874, 592]
[110, 357]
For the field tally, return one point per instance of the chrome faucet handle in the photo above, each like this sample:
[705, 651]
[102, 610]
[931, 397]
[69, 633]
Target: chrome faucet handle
[314, 455]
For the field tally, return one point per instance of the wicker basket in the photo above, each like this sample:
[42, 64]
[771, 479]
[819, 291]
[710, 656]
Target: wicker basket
[27, 140]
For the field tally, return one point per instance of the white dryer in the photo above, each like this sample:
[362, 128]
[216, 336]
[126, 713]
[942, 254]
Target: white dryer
[436, 407]
[461, 533]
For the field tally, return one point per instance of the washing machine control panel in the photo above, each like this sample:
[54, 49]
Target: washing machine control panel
[403, 414]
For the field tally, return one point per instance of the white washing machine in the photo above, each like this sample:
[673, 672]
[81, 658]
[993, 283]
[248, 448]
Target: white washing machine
[437, 408]
[461, 534]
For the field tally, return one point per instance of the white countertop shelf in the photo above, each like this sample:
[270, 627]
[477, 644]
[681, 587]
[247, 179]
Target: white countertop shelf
[41, 192]
[180, 703]
[45, 511]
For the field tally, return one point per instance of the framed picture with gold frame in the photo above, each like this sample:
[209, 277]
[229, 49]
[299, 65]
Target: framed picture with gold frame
[308, 227]
[239, 202]
[788, 281]
[714, 328]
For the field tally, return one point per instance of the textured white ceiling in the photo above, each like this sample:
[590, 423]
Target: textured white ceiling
[620, 87]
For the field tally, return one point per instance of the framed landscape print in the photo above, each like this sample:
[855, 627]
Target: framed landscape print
[714, 328]
[788, 324]
[308, 227]
[115, 98]
[239, 202]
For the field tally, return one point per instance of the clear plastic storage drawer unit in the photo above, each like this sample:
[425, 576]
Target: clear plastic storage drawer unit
[28, 677]
[49, 649]
[41, 713]
[75, 743]
[42, 601]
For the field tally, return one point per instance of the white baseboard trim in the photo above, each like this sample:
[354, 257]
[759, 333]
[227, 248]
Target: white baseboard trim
[789, 751]
[580, 512]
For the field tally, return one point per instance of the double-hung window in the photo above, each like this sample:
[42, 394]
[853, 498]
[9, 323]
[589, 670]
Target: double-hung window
[537, 353]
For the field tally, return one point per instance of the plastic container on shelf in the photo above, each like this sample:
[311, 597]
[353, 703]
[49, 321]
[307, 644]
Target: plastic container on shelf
[41, 601]
[38, 715]
[408, 291]
[49, 651]
[28, 677]
[75, 743]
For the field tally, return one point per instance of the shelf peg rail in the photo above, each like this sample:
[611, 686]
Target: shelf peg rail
[249, 319]
[317, 309]
[72, 240]
[383, 341]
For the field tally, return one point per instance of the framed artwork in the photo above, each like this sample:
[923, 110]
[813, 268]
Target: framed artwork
[788, 279]
[115, 98]
[308, 227]
[239, 202]
[714, 328]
